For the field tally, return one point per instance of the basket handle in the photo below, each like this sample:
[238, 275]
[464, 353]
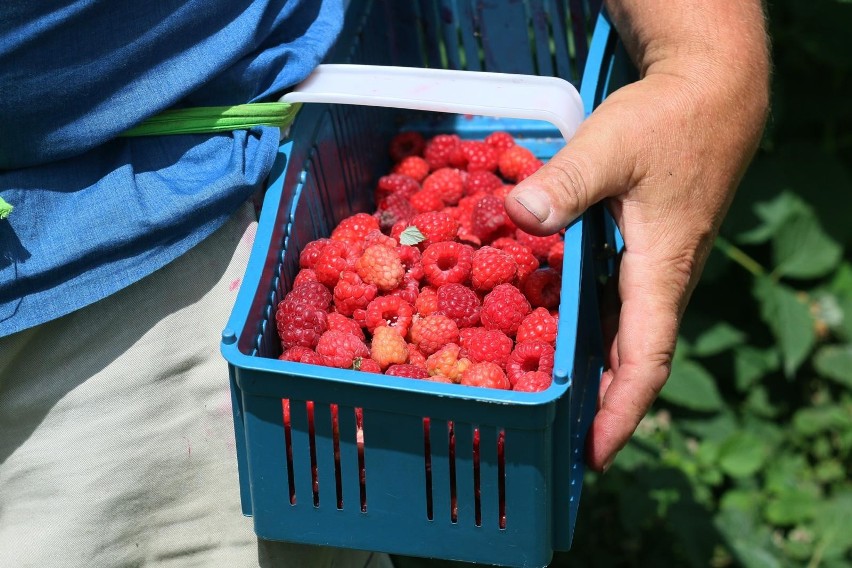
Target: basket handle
[504, 95]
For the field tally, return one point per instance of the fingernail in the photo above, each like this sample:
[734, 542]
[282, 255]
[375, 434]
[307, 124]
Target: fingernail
[607, 464]
[536, 202]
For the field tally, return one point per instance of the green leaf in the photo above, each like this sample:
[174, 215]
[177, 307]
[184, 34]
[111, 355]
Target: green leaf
[742, 455]
[802, 249]
[5, 209]
[774, 215]
[790, 320]
[752, 364]
[411, 236]
[835, 362]
[832, 525]
[691, 386]
[791, 507]
[721, 337]
[814, 421]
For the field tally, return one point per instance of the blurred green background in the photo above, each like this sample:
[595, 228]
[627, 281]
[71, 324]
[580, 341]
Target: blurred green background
[745, 458]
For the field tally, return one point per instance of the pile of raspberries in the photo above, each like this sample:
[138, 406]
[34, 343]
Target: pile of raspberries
[438, 284]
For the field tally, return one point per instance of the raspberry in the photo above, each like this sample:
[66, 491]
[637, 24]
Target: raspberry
[524, 258]
[447, 363]
[310, 254]
[480, 344]
[534, 381]
[366, 365]
[490, 267]
[414, 167]
[352, 293]
[410, 257]
[529, 356]
[446, 183]
[433, 332]
[380, 265]
[555, 256]
[313, 293]
[406, 144]
[484, 181]
[388, 347]
[489, 218]
[339, 322]
[504, 308]
[411, 371]
[305, 275]
[299, 323]
[539, 246]
[542, 288]
[447, 262]
[439, 379]
[395, 184]
[486, 374]
[438, 150]
[353, 229]
[538, 325]
[436, 226]
[529, 169]
[393, 209]
[459, 303]
[376, 237]
[427, 301]
[513, 160]
[500, 140]
[426, 201]
[391, 311]
[479, 156]
[335, 258]
[415, 357]
[301, 354]
[409, 290]
[340, 349]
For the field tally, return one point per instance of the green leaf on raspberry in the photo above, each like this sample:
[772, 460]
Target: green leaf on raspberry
[356, 364]
[411, 236]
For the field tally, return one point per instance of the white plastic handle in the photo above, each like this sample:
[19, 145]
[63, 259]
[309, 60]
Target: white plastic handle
[442, 90]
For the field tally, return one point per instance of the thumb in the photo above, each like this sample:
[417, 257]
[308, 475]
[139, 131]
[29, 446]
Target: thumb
[595, 164]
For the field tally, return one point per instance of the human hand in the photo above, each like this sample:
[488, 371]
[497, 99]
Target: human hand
[666, 154]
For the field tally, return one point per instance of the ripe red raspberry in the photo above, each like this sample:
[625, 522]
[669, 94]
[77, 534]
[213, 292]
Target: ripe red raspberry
[439, 379]
[436, 226]
[534, 381]
[395, 184]
[504, 308]
[313, 293]
[459, 303]
[513, 160]
[478, 156]
[391, 311]
[433, 332]
[411, 371]
[426, 201]
[489, 218]
[305, 275]
[427, 301]
[299, 323]
[539, 246]
[481, 181]
[310, 254]
[393, 209]
[339, 322]
[388, 347]
[480, 345]
[524, 258]
[488, 375]
[500, 140]
[376, 237]
[406, 144]
[447, 262]
[413, 166]
[301, 354]
[446, 183]
[555, 255]
[415, 357]
[438, 150]
[408, 290]
[529, 356]
[352, 293]
[529, 169]
[446, 362]
[490, 267]
[335, 258]
[542, 288]
[340, 349]
[538, 325]
[380, 265]
[411, 261]
[366, 365]
[354, 228]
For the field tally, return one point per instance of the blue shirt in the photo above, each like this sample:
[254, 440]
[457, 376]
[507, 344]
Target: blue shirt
[95, 213]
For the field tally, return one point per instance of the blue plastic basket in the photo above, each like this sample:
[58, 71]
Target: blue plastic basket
[396, 482]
